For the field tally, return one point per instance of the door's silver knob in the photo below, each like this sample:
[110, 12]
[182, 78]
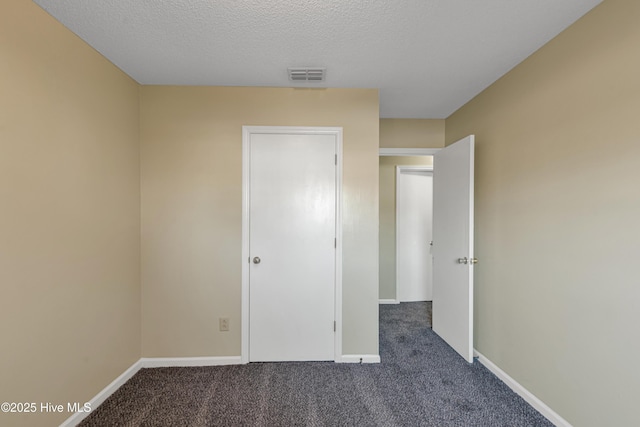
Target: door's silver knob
[464, 260]
[256, 260]
[473, 261]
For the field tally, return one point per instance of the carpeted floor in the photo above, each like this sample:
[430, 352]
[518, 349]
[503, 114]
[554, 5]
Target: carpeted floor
[420, 382]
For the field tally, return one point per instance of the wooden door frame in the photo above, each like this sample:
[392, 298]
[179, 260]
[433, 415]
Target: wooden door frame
[399, 170]
[247, 131]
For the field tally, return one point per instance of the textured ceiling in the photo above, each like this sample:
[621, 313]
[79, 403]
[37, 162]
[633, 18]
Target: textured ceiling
[427, 57]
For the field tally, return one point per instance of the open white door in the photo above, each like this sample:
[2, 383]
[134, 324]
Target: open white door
[453, 257]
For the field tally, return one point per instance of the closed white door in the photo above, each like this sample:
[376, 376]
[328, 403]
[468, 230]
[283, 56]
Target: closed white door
[292, 231]
[414, 201]
[453, 258]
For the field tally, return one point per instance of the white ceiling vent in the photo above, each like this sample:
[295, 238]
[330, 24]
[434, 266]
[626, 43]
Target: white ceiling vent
[307, 74]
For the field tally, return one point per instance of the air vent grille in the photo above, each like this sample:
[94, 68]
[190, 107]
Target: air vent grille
[307, 74]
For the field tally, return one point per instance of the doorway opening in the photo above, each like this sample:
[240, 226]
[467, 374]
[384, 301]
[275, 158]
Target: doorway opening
[403, 277]
[452, 250]
[392, 163]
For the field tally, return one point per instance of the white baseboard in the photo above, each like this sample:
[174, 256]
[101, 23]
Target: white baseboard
[359, 358]
[389, 301]
[75, 419]
[532, 400]
[164, 362]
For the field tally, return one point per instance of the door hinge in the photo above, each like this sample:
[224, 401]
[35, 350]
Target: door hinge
[334, 326]
[336, 160]
[335, 242]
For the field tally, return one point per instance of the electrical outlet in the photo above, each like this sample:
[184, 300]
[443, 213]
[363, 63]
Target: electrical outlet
[224, 324]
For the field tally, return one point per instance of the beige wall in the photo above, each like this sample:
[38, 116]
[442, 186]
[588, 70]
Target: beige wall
[387, 266]
[69, 222]
[192, 209]
[557, 209]
[412, 133]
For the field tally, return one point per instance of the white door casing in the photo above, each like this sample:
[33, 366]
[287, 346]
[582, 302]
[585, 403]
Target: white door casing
[453, 257]
[291, 222]
[414, 202]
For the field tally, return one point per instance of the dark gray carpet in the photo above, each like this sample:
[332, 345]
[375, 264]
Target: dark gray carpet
[420, 382]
